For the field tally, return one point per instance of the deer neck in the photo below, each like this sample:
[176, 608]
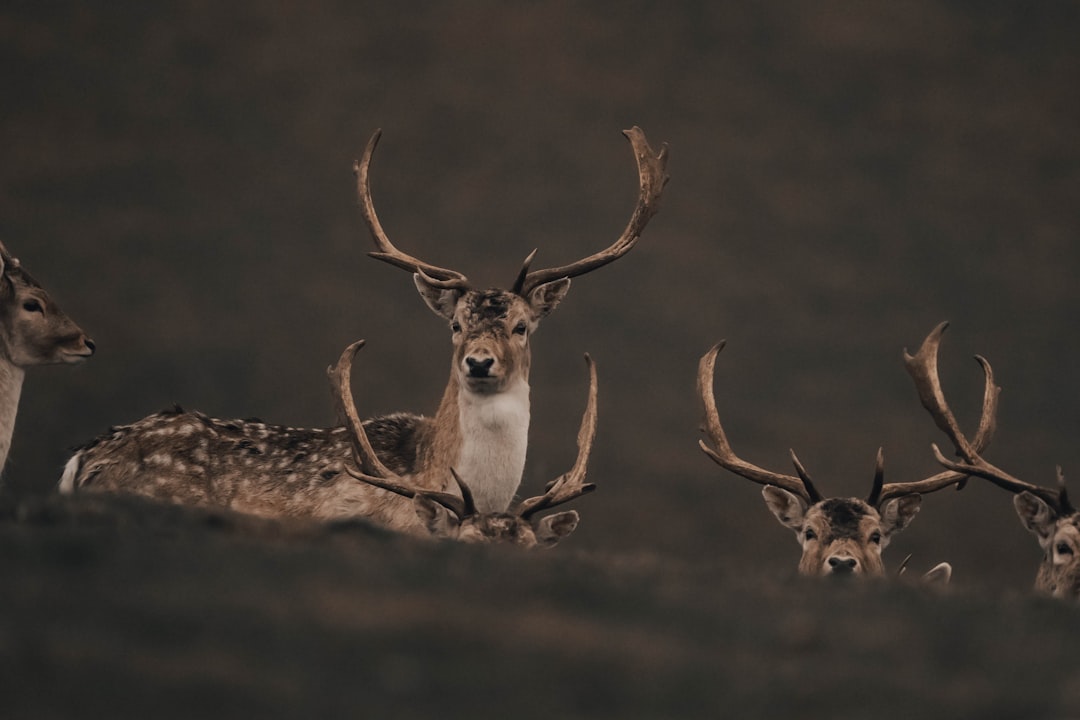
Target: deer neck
[484, 438]
[11, 382]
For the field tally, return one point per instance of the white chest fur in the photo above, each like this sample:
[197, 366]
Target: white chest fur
[495, 437]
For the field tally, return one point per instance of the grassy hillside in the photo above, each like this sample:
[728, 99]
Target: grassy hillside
[133, 610]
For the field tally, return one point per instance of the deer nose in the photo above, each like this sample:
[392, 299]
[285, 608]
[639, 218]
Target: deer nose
[479, 367]
[90, 345]
[841, 565]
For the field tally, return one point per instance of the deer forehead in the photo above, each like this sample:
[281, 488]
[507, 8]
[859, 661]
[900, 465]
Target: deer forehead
[479, 311]
[843, 518]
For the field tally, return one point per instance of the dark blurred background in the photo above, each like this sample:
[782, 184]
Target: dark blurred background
[843, 177]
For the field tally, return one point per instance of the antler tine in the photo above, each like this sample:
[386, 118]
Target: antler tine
[340, 376]
[467, 502]
[384, 249]
[807, 482]
[723, 455]
[371, 470]
[571, 485]
[923, 368]
[652, 177]
[1064, 505]
[879, 479]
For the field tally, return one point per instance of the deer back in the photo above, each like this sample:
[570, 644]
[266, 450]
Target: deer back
[248, 466]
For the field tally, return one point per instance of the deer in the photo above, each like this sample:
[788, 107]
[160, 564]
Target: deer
[1045, 512]
[840, 537]
[480, 427]
[33, 331]
[451, 516]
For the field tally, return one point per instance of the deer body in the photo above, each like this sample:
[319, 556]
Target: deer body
[247, 466]
[33, 331]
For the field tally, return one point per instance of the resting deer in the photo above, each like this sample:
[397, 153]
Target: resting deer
[33, 331]
[480, 427]
[1045, 512]
[839, 536]
[455, 516]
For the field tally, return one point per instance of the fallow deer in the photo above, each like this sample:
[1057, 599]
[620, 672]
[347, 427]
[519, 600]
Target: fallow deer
[455, 516]
[1045, 512]
[480, 427]
[33, 331]
[839, 536]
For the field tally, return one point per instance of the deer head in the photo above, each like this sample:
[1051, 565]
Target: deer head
[33, 329]
[839, 536]
[455, 516]
[491, 328]
[1045, 512]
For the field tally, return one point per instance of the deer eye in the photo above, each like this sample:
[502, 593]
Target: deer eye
[455, 326]
[33, 306]
[520, 328]
[810, 535]
[875, 537]
[1063, 549]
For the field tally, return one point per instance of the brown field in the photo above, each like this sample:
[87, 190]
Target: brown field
[844, 177]
[122, 609]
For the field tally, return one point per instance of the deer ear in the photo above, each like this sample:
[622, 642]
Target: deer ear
[442, 301]
[439, 521]
[546, 297]
[1036, 515]
[788, 507]
[937, 576]
[897, 514]
[550, 529]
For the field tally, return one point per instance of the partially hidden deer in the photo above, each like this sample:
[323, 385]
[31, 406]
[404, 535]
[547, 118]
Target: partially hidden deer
[1044, 511]
[455, 516]
[480, 427]
[839, 536]
[33, 331]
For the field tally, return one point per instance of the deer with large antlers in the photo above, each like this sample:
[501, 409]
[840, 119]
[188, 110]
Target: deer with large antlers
[839, 536]
[480, 427]
[33, 331]
[1046, 512]
[453, 516]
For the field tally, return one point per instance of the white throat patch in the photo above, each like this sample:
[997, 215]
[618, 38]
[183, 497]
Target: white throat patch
[495, 437]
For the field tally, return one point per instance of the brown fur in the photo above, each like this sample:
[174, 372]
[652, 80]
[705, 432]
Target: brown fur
[33, 331]
[1059, 537]
[841, 536]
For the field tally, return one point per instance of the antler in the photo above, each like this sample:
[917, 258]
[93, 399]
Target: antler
[652, 177]
[385, 249]
[369, 468]
[923, 368]
[1059, 499]
[725, 457]
[570, 485]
